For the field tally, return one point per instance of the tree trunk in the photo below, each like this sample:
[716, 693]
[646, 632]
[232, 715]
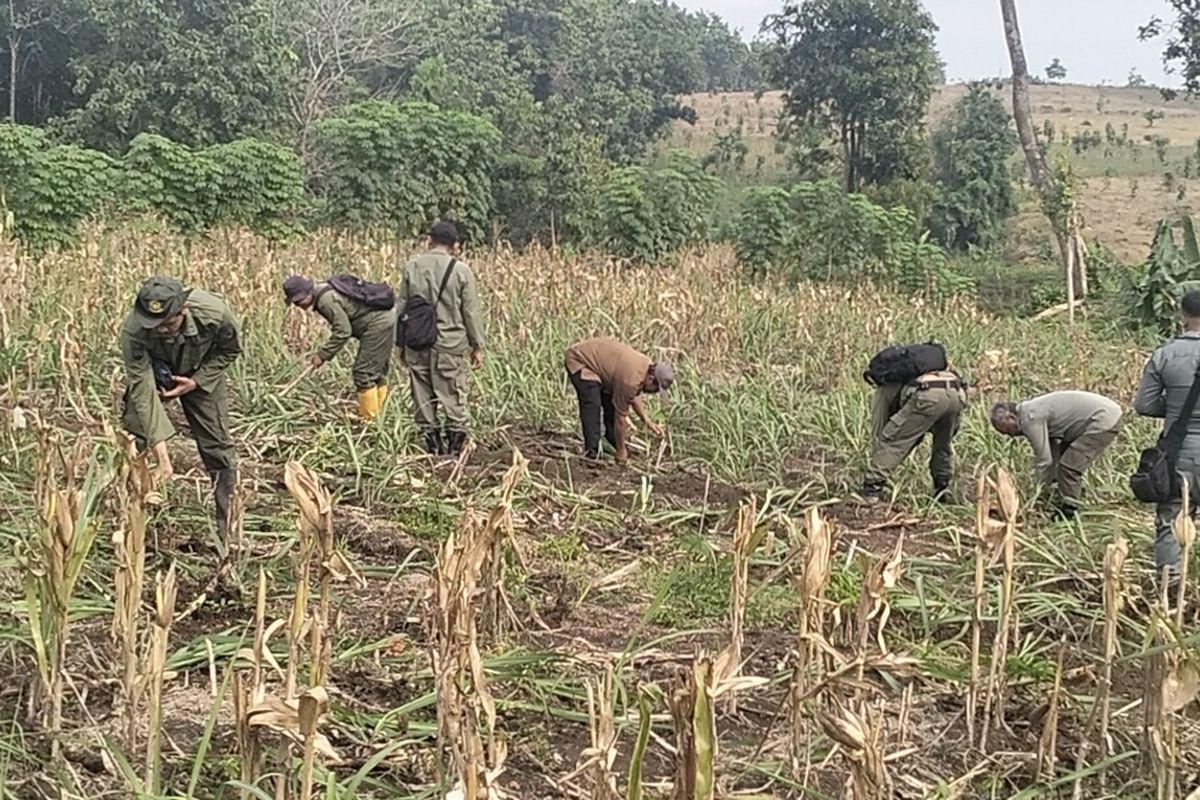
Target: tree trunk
[13, 44]
[1064, 225]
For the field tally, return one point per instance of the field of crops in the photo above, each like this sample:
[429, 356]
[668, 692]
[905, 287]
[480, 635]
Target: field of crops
[718, 619]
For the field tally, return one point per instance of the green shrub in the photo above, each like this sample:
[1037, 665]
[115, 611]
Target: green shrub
[764, 238]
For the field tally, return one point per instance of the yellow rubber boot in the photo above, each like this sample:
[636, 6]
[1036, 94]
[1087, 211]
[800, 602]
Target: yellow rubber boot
[382, 391]
[368, 404]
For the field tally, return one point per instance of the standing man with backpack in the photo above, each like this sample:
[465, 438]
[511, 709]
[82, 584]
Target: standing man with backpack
[1168, 391]
[440, 326]
[355, 309]
[915, 393]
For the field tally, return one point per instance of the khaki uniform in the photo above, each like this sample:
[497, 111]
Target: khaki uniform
[1161, 394]
[438, 376]
[350, 319]
[902, 415]
[1068, 430]
[202, 349]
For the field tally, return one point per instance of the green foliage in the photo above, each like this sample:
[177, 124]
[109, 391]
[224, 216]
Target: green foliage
[404, 166]
[1056, 71]
[1153, 289]
[828, 235]
[972, 149]
[260, 187]
[763, 239]
[195, 73]
[862, 72]
[648, 216]
[48, 189]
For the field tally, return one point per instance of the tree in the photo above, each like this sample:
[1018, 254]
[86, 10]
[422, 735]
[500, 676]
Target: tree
[197, 73]
[1056, 71]
[972, 149]
[1135, 79]
[1182, 51]
[345, 47]
[36, 36]
[1055, 193]
[862, 71]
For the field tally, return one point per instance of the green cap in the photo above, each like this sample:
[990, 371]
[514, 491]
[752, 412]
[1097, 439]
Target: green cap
[158, 299]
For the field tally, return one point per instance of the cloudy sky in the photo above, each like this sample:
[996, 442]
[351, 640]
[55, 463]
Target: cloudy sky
[1096, 39]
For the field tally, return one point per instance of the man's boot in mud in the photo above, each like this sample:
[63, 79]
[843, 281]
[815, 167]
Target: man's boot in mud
[941, 493]
[455, 441]
[872, 491]
[433, 443]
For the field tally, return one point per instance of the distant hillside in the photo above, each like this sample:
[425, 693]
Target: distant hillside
[1127, 187]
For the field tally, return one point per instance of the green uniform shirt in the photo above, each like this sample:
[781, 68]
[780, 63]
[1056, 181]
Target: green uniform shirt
[348, 318]
[1063, 417]
[459, 314]
[202, 349]
[1166, 379]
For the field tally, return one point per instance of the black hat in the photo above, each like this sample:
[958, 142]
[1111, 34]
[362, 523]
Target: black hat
[158, 299]
[444, 232]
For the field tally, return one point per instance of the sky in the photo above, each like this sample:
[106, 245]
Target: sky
[1095, 39]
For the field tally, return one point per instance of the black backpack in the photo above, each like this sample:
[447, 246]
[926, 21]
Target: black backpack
[904, 363]
[417, 327]
[373, 295]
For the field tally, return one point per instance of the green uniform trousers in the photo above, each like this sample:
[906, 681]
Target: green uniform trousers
[437, 379]
[374, 351]
[208, 417]
[1072, 458]
[900, 418]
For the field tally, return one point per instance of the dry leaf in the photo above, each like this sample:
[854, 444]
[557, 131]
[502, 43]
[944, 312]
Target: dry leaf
[1181, 686]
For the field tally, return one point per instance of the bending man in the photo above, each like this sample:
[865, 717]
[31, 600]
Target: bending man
[177, 343]
[1067, 430]
[610, 378]
[350, 318]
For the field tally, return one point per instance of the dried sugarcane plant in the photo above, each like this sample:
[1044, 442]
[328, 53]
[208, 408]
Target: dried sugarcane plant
[133, 491]
[743, 546]
[156, 665]
[54, 561]
[994, 538]
[597, 759]
[1114, 600]
[500, 523]
[878, 578]
[808, 668]
[1047, 753]
[691, 704]
[861, 736]
[469, 759]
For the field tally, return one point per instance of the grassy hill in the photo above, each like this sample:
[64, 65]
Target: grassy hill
[1127, 187]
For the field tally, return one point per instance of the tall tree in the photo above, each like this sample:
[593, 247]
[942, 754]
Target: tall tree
[1055, 196]
[1056, 71]
[1182, 50]
[195, 71]
[862, 70]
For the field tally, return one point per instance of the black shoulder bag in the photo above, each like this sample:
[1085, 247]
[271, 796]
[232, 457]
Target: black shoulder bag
[416, 328]
[1156, 480]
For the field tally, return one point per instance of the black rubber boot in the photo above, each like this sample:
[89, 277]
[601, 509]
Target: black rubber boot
[871, 491]
[455, 441]
[224, 486]
[433, 443]
[941, 493]
[1064, 511]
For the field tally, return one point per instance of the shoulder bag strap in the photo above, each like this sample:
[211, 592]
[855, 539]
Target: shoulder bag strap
[1173, 439]
[445, 280]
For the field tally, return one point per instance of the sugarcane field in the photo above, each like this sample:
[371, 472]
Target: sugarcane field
[599, 400]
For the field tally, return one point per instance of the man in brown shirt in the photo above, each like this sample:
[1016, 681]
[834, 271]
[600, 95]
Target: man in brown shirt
[609, 377]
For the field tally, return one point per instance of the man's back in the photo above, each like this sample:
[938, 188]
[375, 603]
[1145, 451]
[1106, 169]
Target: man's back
[459, 316]
[1167, 378]
[1069, 414]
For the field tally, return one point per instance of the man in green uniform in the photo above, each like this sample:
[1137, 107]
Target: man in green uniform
[349, 318]
[901, 416]
[438, 376]
[610, 378]
[177, 343]
[1067, 430]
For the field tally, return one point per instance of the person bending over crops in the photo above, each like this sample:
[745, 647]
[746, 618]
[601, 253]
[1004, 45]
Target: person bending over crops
[610, 378]
[1067, 430]
[355, 309]
[177, 342]
[915, 393]
[440, 323]
[1163, 394]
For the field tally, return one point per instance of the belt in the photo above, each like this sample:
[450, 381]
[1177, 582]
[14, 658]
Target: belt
[921, 386]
